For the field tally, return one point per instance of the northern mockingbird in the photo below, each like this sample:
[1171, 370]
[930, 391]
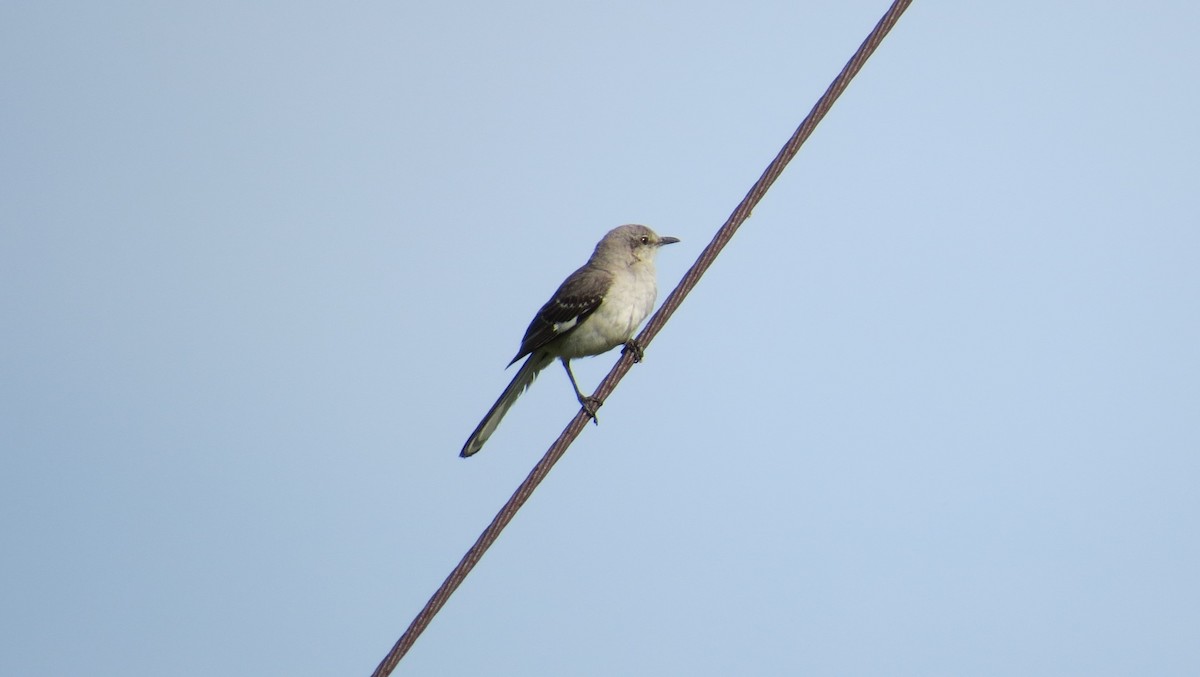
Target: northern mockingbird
[596, 309]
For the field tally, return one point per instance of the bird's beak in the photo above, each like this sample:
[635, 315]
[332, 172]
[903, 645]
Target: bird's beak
[667, 240]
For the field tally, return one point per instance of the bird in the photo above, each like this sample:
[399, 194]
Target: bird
[597, 308]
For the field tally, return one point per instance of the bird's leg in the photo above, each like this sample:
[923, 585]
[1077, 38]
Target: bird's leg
[632, 346]
[590, 404]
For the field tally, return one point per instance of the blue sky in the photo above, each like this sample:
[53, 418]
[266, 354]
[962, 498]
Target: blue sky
[933, 412]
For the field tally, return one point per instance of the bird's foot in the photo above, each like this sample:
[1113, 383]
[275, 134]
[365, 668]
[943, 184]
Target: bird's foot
[632, 346]
[591, 405]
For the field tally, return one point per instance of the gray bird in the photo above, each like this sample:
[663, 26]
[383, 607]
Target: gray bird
[596, 309]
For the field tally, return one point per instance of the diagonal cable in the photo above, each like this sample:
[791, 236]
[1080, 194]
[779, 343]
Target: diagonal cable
[723, 236]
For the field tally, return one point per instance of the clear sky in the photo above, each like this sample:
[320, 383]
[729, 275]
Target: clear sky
[935, 411]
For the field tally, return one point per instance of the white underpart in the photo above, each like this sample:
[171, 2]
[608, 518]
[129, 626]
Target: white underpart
[627, 302]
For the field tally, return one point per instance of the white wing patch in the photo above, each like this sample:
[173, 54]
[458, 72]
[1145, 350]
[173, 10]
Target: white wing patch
[560, 327]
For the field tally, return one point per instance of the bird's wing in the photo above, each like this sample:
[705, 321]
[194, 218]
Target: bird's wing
[577, 297]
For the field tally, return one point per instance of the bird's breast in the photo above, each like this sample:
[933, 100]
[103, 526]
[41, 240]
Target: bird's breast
[628, 301]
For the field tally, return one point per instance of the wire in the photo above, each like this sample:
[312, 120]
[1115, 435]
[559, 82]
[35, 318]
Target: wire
[577, 424]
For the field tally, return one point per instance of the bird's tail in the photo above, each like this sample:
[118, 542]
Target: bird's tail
[525, 375]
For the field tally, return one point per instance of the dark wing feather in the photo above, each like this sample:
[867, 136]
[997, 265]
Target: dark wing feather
[577, 297]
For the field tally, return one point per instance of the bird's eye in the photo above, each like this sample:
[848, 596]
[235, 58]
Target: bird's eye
[645, 240]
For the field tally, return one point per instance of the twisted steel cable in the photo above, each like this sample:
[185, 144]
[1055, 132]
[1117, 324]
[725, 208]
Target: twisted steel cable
[672, 302]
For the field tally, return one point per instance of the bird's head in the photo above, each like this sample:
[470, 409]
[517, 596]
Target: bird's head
[638, 242]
